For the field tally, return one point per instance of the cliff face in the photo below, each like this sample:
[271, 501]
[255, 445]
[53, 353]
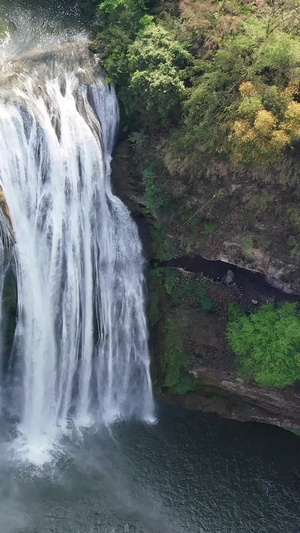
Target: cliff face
[193, 364]
[246, 218]
[219, 386]
[210, 171]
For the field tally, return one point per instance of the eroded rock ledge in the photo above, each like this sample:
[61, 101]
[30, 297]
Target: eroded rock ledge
[226, 394]
[218, 384]
[200, 333]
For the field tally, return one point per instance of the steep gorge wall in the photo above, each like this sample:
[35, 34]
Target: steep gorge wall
[192, 335]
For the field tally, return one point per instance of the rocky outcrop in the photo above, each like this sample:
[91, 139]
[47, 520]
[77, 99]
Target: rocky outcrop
[224, 392]
[240, 216]
[282, 413]
[219, 387]
[126, 182]
[184, 327]
[213, 227]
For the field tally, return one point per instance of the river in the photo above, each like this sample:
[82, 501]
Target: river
[186, 473]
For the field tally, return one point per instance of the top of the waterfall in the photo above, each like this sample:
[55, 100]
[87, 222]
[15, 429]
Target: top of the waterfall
[27, 25]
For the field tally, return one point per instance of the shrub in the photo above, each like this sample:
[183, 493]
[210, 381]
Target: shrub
[87, 6]
[187, 289]
[156, 61]
[268, 344]
[155, 197]
[245, 106]
[267, 121]
[118, 22]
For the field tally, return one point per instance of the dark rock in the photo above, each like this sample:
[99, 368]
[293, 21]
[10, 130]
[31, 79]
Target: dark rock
[229, 278]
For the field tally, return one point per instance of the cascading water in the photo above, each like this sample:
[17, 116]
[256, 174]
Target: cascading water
[80, 349]
[2, 259]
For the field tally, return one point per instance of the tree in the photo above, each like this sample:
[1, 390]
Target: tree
[156, 61]
[268, 344]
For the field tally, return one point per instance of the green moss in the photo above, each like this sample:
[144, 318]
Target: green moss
[162, 246]
[209, 226]
[155, 288]
[187, 289]
[176, 376]
[247, 244]
[6, 27]
[294, 431]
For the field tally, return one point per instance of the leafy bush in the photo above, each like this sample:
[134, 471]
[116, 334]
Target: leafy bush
[161, 245]
[154, 194]
[207, 118]
[144, 59]
[209, 226]
[268, 344]
[156, 62]
[268, 120]
[118, 22]
[245, 106]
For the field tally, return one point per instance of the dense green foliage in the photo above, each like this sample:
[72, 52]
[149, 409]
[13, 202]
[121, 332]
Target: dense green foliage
[156, 63]
[244, 105]
[87, 6]
[268, 343]
[209, 92]
[234, 64]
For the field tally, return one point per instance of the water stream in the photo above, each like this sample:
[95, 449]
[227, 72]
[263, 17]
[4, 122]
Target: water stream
[80, 352]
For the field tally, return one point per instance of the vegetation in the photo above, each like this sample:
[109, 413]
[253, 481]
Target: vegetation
[6, 27]
[234, 64]
[87, 6]
[168, 289]
[268, 343]
[204, 84]
[186, 289]
[177, 378]
[210, 89]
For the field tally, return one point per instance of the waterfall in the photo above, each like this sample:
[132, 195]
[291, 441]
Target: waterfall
[80, 353]
[2, 261]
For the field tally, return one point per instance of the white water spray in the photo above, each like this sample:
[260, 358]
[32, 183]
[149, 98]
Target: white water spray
[80, 353]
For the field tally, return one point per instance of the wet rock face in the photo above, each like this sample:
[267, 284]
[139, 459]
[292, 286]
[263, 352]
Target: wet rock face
[239, 217]
[224, 220]
[8, 316]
